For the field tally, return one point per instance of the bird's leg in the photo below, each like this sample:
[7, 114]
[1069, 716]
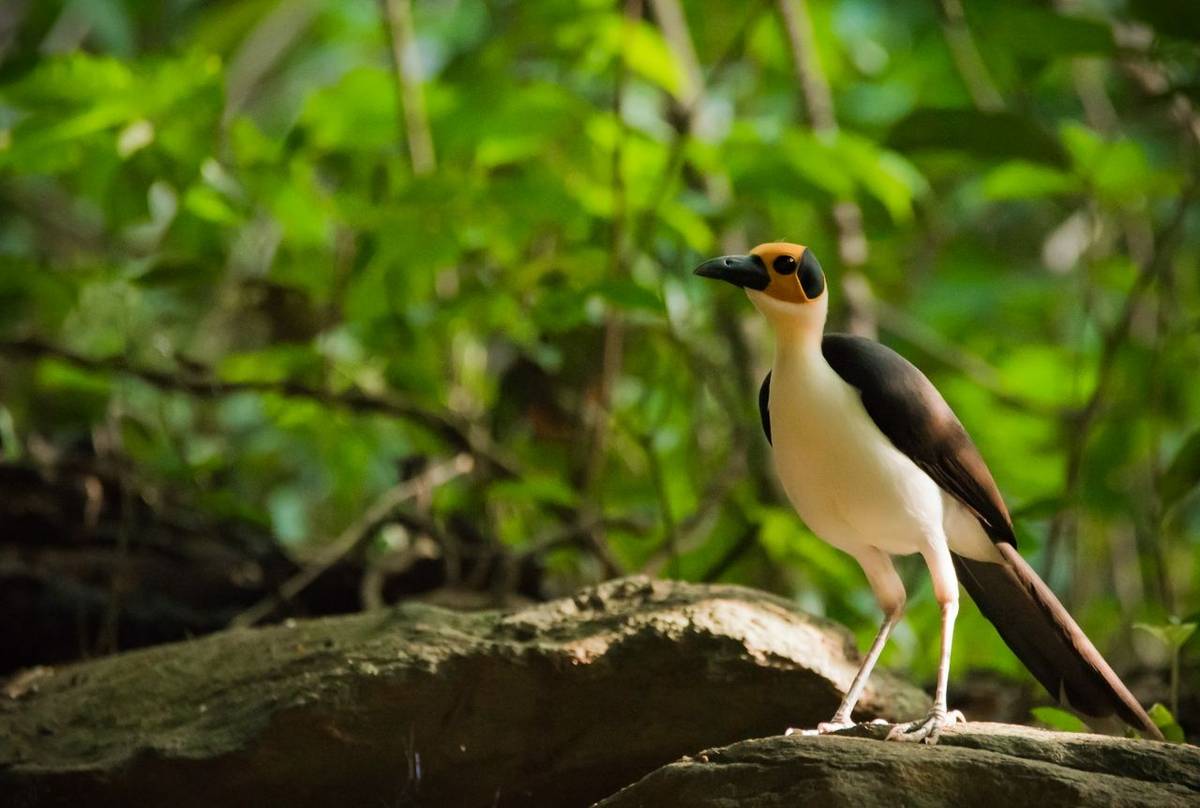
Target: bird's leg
[841, 719]
[889, 591]
[929, 729]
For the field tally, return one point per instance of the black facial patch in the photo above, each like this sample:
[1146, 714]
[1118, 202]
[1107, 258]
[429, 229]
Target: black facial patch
[812, 279]
[784, 264]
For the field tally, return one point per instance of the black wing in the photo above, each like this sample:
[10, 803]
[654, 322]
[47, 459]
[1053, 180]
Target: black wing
[764, 396]
[910, 411]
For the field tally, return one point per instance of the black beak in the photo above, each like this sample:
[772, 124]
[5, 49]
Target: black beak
[747, 271]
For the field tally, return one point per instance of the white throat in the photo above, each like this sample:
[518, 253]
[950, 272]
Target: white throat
[797, 326]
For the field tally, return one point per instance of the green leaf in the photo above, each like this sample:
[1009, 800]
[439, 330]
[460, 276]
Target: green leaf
[887, 176]
[842, 166]
[206, 203]
[1044, 32]
[1174, 634]
[1167, 723]
[10, 443]
[1043, 508]
[628, 295]
[1058, 719]
[691, 226]
[534, 488]
[71, 109]
[514, 127]
[1117, 168]
[1183, 475]
[982, 134]
[786, 540]
[76, 78]
[29, 293]
[1042, 372]
[647, 54]
[274, 364]
[1021, 179]
[814, 159]
[356, 114]
[70, 395]
[111, 23]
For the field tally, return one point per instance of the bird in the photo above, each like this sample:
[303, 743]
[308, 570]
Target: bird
[876, 464]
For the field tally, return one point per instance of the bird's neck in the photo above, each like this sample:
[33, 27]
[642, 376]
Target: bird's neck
[798, 328]
[799, 342]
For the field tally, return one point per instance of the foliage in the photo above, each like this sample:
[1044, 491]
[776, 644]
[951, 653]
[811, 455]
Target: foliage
[223, 193]
[1174, 635]
[1167, 722]
[1059, 719]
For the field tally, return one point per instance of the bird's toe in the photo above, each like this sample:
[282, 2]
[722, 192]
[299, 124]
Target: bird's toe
[928, 729]
[824, 728]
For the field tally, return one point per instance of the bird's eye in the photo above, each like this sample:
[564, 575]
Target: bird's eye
[784, 265]
[812, 279]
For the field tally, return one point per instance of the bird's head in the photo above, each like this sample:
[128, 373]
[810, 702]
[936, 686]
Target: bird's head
[784, 281]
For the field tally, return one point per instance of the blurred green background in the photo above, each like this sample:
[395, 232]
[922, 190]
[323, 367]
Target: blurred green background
[275, 264]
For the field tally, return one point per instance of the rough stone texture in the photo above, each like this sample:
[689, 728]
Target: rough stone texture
[558, 704]
[978, 764]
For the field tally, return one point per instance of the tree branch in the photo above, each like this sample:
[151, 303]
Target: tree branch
[968, 60]
[203, 383]
[612, 349]
[746, 542]
[397, 15]
[853, 250]
[355, 536]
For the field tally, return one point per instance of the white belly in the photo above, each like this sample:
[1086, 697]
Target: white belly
[849, 484]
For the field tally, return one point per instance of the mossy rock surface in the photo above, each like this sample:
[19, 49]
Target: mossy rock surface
[977, 764]
[561, 703]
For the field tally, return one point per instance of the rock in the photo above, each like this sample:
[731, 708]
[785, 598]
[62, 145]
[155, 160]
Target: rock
[974, 764]
[558, 704]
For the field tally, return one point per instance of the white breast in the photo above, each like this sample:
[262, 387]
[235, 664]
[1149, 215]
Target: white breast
[847, 481]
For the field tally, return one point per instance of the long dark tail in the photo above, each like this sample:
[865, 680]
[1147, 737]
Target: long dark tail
[1047, 639]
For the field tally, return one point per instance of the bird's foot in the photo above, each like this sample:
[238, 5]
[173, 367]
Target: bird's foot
[835, 724]
[927, 729]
